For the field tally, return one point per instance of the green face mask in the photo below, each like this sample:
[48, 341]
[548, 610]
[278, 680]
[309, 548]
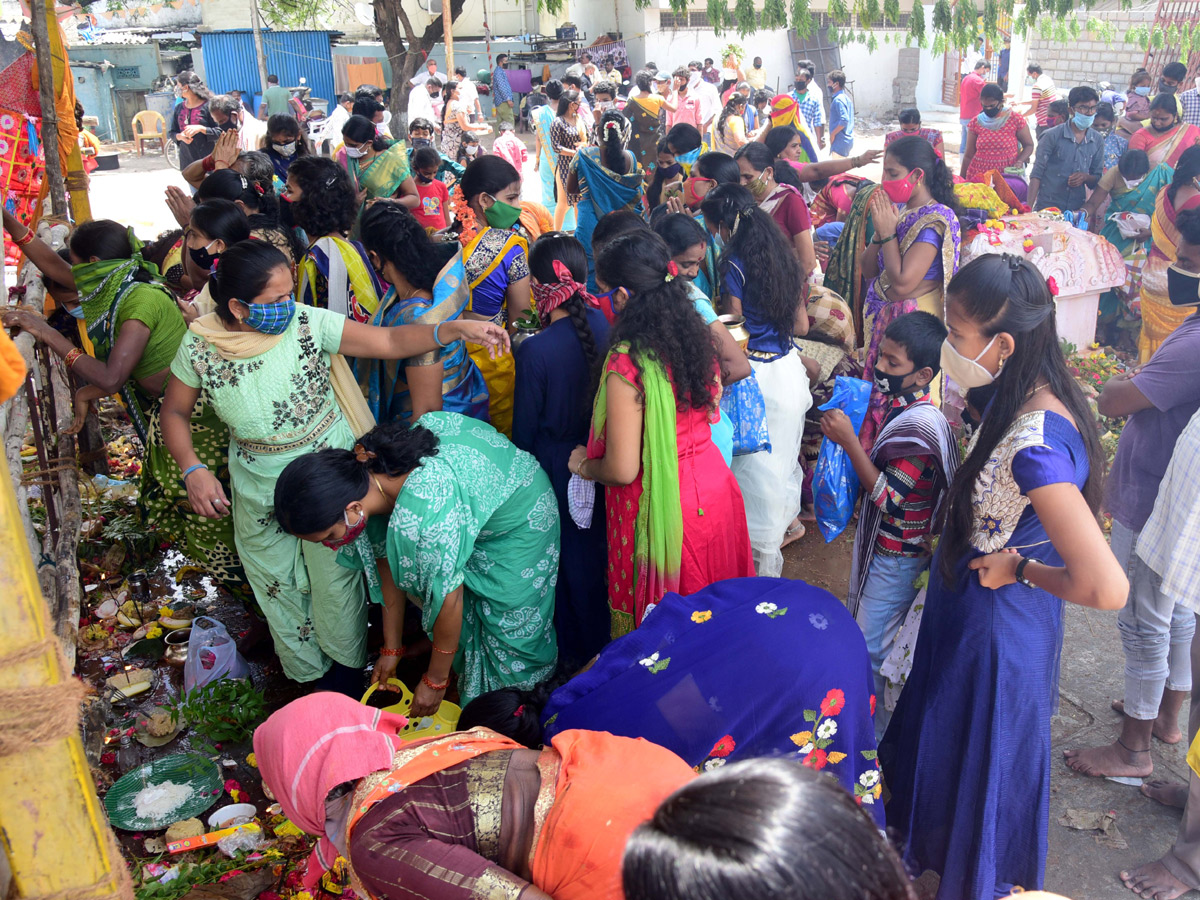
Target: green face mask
[501, 215]
[758, 187]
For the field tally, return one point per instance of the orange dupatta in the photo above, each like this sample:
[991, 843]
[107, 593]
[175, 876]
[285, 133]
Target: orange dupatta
[616, 784]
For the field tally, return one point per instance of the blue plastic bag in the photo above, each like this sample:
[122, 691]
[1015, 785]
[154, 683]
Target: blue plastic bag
[835, 483]
[742, 402]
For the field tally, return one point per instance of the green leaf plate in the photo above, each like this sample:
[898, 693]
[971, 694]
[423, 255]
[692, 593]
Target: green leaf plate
[198, 772]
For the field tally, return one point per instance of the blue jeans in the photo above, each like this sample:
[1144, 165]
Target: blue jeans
[962, 145]
[887, 596]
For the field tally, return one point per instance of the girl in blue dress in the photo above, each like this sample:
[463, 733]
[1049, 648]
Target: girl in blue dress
[558, 370]
[967, 754]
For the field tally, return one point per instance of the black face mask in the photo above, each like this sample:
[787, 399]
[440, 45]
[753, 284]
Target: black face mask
[890, 385]
[801, 86]
[422, 142]
[1183, 288]
[230, 125]
[1167, 88]
[992, 111]
[202, 258]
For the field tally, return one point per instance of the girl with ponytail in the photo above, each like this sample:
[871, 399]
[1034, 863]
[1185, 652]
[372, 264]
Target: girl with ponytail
[451, 512]
[1020, 537]
[607, 178]
[913, 254]
[760, 279]
[675, 516]
[557, 372]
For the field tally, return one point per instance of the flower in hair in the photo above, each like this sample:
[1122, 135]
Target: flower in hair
[672, 271]
[1052, 285]
[362, 454]
[520, 711]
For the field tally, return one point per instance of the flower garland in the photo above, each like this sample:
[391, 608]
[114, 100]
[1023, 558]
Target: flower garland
[465, 215]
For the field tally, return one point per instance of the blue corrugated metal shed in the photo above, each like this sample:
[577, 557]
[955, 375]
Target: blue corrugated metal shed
[230, 62]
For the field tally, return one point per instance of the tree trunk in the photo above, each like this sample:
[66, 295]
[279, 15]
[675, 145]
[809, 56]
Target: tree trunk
[406, 50]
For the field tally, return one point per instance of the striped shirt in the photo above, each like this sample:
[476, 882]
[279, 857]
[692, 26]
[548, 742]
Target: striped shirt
[904, 494]
[1170, 541]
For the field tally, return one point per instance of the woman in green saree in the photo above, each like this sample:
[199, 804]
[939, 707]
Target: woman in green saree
[378, 167]
[1133, 187]
[459, 518]
[136, 328]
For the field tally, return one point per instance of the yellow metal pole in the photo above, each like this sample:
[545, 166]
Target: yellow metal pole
[54, 834]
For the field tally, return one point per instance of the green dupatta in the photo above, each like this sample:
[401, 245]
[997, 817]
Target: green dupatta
[842, 276]
[658, 529]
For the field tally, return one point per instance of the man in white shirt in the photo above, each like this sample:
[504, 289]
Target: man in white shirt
[970, 58]
[332, 131]
[430, 71]
[576, 69]
[468, 93]
[420, 100]
[707, 94]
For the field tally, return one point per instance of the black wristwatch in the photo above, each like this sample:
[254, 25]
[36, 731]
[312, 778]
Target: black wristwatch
[1020, 574]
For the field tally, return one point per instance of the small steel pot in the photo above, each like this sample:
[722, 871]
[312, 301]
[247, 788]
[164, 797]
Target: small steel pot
[737, 329]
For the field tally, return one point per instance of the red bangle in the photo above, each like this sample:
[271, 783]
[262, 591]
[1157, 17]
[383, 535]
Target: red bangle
[209, 164]
[72, 356]
[428, 682]
[437, 649]
[21, 242]
[388, 651]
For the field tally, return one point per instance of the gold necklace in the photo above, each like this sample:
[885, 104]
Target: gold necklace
[381, 490]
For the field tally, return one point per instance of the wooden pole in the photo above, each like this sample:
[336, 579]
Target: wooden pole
[259, 51]
[42, 14]
[448, 31]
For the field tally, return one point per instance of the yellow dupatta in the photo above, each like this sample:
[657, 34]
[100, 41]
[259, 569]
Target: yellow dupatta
[247, 344]
[1159, 317]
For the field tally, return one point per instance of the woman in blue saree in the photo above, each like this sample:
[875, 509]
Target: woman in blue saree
[428, 286]
[607, 179]
[542, 118]
[681, 681]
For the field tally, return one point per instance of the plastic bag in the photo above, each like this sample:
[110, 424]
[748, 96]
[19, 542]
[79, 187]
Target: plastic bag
[743, 403]
[1129, 224]
[835, 483]
[212, 655]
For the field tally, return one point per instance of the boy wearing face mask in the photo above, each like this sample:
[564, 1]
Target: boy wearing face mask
[433, 209]
[1070, 157]
[903, 479]
[810, 101]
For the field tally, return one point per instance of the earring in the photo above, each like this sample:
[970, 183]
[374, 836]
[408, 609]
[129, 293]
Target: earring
[1001, 369]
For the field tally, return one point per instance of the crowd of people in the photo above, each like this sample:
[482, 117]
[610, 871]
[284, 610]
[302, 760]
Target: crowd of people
[586, 483]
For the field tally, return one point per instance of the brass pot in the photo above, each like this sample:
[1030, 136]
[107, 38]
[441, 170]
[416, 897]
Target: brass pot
[737, 329]
[176, 642]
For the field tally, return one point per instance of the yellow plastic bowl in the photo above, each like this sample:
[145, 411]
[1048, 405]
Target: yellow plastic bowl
[443, 721]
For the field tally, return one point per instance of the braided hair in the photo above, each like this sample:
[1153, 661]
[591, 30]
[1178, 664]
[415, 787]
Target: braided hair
[731, 109]
[612, 135]
[562, 247]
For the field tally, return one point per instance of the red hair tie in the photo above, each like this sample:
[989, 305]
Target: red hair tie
[258, 189]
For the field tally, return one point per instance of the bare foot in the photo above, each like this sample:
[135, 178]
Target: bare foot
[1168, 793]
[794, 532]
[1110, 760]
[808, 514]
[1153, 881]
[1167, 732]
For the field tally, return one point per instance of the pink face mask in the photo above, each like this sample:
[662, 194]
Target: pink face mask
[900, 191]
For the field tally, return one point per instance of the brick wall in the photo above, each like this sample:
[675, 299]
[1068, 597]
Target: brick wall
[1090, 59]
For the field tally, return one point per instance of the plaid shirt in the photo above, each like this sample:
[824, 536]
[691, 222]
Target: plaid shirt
[814, 113]
[1170, 541]
[501, 90]
[904, 494]
[1191, 106]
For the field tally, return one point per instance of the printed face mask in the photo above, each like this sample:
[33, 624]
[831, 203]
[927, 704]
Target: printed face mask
[758, 187]
[890, 385]
[288, 149]
[352, 531]
[271, 318]
[966, 373]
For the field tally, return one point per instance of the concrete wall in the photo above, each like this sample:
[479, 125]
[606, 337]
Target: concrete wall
[135, 66]
[93, 89]
[1089, 59]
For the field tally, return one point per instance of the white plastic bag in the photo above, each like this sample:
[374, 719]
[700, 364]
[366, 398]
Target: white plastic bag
[212, 655]
[1129, 224]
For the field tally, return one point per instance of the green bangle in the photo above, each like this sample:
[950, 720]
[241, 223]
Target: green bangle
[876, 240]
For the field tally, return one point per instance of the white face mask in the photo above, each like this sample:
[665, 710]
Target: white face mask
[285, 149]
[966, 373]
[356, 152]
[471, 149]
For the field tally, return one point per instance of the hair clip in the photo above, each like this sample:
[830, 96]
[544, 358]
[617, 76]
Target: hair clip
[1052, 285]
[245, 183]
[259, 189]
[672, 271]
[520, 711]
[330, 182]
[362, 454]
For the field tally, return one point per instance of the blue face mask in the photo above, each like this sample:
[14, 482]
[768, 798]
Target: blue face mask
[271, 318]
[1082, 121]
[1143, 91]
[77, 311]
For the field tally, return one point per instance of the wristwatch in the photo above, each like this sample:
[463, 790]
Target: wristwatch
[1020, 573]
